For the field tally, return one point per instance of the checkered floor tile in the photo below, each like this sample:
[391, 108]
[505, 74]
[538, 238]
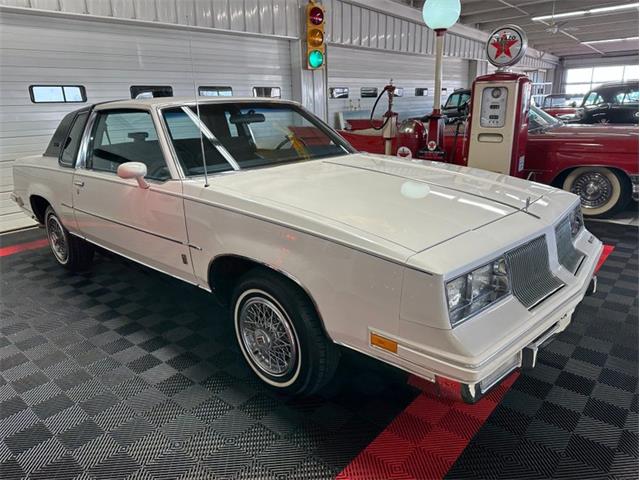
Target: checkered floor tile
[576, 414]
[126, 373]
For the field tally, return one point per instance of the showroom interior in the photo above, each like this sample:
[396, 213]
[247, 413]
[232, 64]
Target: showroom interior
[317, 239]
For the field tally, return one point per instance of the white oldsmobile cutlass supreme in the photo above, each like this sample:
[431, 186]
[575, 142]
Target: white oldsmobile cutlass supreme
[440, 270]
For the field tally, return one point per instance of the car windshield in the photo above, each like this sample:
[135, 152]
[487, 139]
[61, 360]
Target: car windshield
[538, 118]
[457, 99]
[562, 101]
[239, 136]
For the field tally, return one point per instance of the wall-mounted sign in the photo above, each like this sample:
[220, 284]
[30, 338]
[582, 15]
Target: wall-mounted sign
[506, 46]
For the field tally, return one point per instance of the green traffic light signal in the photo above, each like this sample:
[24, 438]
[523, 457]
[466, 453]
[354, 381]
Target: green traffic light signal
[316, 58]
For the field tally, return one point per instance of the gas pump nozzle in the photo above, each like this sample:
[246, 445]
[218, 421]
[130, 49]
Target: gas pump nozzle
[389, 128]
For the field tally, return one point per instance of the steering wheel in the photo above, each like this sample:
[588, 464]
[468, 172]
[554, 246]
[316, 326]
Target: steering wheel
[289, 139]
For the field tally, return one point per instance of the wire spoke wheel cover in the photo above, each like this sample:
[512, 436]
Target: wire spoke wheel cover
[267, 334]
[57, 239]
[593, 188]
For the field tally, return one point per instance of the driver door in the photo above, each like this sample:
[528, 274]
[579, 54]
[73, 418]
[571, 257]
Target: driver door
[146, 225]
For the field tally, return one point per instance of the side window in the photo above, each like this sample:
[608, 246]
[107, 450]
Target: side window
[71, 144]
[628, 97]
[189, 145]
[122, 136]
[591, 98]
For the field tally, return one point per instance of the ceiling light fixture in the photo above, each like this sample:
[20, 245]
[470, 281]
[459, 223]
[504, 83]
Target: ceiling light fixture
[609, 40]
[592, 11]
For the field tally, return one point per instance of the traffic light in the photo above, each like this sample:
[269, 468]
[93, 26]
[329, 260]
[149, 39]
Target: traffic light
[315, 36]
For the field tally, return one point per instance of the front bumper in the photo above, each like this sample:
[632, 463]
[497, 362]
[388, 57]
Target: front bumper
[515, 349]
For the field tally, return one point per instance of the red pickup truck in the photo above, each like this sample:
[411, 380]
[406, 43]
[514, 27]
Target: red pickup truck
[598, 163]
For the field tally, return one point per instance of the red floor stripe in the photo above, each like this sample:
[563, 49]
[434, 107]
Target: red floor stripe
[21, 247]
[425, 440]
[606, 251]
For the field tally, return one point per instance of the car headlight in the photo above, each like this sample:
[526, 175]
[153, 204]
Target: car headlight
[473, 291]
[577, 221]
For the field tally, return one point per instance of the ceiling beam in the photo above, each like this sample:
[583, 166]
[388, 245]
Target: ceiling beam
[538, 10]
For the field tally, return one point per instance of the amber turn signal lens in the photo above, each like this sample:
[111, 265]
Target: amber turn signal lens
[384, 343]
[315, 37]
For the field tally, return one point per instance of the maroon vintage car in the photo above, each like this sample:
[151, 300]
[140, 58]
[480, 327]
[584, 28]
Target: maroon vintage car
[598, 163]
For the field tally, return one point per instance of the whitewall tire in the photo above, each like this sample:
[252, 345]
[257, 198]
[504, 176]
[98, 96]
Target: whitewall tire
[602, 191]
[280, 333]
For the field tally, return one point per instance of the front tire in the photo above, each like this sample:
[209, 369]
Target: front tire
[280, 335]
[602, 191]
[71, 252]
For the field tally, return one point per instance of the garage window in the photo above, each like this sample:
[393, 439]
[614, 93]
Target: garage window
[338, 92]
[215, 91]
[369, 92]
[267, 92]
[57, 94]
[151, 91]
[582, 80]
[422, 92]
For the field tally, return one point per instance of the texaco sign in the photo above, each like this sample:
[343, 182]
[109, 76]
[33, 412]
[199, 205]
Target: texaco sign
[506, 46]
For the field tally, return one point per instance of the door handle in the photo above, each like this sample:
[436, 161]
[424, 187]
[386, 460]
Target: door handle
[78, 183]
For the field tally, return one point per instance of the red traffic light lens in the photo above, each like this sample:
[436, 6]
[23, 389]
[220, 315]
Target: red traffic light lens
[316, 15]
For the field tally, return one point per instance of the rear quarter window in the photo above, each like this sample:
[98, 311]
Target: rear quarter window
[60, 135]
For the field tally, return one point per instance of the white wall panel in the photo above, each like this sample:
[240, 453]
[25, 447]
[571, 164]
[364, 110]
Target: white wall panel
[354, 68]
[108, 58]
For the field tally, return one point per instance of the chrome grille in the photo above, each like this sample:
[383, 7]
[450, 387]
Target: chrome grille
[568, 256]
[531, 277]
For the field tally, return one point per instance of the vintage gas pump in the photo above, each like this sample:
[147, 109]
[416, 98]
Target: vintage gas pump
[499, 117]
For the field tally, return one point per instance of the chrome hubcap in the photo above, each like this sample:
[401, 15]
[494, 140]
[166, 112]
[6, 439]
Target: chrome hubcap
[57, 239]
[594, 189]
[268, 337]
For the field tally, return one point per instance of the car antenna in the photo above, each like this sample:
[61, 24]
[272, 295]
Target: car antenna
[195, 94]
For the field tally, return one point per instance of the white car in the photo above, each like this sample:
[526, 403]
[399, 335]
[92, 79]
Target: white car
[440, 270]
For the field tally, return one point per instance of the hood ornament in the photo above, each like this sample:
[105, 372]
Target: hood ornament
[526, 205]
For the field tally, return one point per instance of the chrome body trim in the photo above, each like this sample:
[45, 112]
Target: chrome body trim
[203, 287]
[142, 230]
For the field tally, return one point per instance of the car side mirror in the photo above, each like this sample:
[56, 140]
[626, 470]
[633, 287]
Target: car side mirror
[135, 170]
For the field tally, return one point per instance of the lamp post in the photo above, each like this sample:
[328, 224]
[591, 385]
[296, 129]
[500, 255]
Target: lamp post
[439, 15]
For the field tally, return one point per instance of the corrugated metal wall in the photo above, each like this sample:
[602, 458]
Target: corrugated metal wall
[109, 45]
[268, 17]
[107, 59]
[357, 25]
[370, 68]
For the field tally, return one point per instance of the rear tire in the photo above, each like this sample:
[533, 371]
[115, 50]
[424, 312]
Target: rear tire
[602, 191]
[280, 335]
[71, 252]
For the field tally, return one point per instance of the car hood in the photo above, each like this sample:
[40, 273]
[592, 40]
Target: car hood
[412, 205]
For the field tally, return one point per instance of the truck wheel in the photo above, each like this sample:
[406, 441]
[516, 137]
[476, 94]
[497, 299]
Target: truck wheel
[279, 334]
[603, 192]
[71, 252]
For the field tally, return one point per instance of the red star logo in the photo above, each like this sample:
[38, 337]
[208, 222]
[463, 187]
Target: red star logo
[503, 45]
